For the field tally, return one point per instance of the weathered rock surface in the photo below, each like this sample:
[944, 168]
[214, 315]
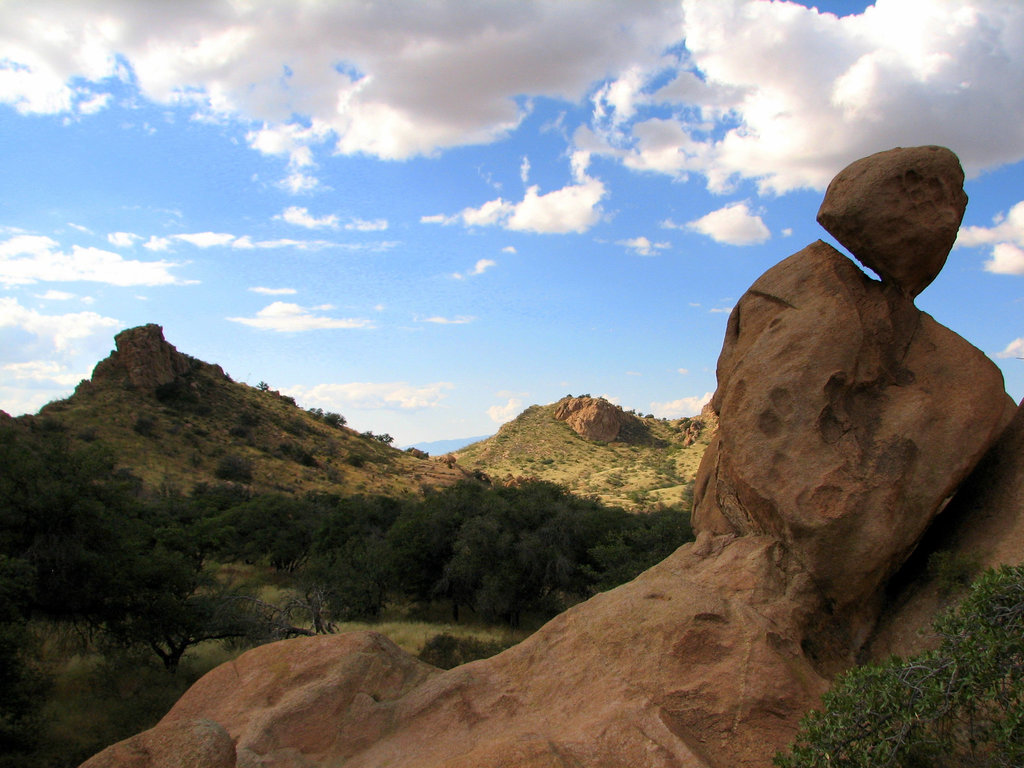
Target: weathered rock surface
[592, 417]
[200, 743]
[143, 359]
[983, 525]
[696, 663]
[847, 418]
[898, 212]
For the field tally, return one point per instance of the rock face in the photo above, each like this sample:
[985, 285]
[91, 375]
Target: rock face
[898, 212]
[143, 359]
[593, 418]
[847, 417]
[174, 743]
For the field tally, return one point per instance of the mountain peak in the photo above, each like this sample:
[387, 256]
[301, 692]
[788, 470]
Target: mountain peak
[143, 359]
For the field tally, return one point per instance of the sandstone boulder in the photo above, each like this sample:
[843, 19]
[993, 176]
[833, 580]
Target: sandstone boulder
[593, 418]
[847, 418]
[898, 212]
[143, 359]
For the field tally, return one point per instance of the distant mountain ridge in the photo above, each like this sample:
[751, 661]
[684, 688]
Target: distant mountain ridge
[439, 447]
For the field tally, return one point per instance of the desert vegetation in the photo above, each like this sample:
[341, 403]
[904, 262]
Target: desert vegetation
[112, 598]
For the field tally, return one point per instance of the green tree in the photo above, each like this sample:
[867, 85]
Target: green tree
[961, 704]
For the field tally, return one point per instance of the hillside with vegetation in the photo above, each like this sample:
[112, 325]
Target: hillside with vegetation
[172, 430]
[651, 462]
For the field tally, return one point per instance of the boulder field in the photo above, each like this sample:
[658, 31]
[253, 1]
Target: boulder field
[848, 420]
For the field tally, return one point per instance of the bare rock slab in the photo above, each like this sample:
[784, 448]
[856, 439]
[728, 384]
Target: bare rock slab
[898, 212]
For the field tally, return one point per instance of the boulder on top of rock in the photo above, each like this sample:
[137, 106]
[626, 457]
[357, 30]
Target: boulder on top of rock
[847, 418]
[592, 417]
[898, 212]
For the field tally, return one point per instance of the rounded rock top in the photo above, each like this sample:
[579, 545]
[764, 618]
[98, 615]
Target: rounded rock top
[898, 212]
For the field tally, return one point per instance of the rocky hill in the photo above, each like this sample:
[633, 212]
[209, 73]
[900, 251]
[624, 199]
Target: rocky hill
[848, 418]
[174, 421]
[595, 448]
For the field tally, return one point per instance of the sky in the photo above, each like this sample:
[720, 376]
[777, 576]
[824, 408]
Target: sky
[427, 216]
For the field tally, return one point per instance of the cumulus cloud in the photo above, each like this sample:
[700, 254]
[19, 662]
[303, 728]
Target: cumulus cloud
[58, 332]
[481, 266]
[301, 217]
[684, 406]
[286, 317]
[573, 208]
[206, 239]
[122, 239]
[362, 225]
[731, 89]
[734, 225]
[1006, 236]
[643, 247]
[363, 395]
[26, 259]
[1014, 349]
[502, 413]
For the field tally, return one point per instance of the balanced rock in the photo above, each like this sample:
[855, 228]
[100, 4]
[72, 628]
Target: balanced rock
[898, 212]
[593, 418]
[847, 418]
[143, 359]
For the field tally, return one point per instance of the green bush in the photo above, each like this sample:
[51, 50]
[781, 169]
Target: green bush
[446, 651]
[961, 704]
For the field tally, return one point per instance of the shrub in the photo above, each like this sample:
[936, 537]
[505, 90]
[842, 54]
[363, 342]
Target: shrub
[234, 468]
[446, 651]
[961, 704]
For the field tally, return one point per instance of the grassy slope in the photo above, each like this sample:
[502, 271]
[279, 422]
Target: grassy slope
[180, 440]
[643, 468]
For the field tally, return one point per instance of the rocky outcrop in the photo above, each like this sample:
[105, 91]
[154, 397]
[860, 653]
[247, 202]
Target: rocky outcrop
[847, 418]
[898, 212]
[593, 418]
[142, 359]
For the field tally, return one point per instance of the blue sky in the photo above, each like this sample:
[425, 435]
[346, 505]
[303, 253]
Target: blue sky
[428, 216]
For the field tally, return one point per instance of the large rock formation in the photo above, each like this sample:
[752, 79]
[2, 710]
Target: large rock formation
[847, 418]
[593, 418]
[143, 359]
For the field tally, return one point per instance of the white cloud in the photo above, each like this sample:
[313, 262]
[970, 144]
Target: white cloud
[53, 295]
[509, 249]
[775, 91]
[459, 320]
[502, 413]
[273, 291]
[206, 239]
[372, 395]
[157, 243]
[684, 406]
[524, 169]
[26, 259]
[361, 225]
[122, 239]
[481, 266]
[643, 247]
[47, 372]
[1006, 236]
[1014, 349]
[301, 217]
[734, 225]
[285, 317]
[682, 371]
[58, 332]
